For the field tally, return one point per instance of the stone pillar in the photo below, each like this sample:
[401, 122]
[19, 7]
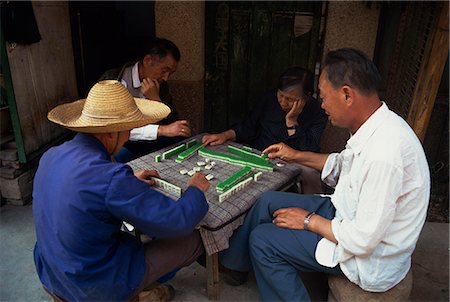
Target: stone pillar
[183, 22]
[349, 24]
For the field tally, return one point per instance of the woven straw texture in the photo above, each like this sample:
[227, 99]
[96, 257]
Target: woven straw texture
[109, 107]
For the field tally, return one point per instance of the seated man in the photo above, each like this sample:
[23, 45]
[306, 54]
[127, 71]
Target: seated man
[368, 228]
[148, 79]
[81, 197]
[287, 114]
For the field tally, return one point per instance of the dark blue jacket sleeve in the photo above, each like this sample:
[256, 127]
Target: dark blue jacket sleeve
[150, 211]
[247, 130]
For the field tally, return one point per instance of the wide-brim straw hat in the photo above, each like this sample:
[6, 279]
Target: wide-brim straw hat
[109, 107]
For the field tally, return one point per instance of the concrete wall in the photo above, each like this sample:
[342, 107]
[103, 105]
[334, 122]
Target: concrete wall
[183, 22]
[349, 24]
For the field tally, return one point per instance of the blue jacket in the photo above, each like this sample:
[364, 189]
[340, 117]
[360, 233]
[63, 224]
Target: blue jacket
[265, 125]
[80, 199]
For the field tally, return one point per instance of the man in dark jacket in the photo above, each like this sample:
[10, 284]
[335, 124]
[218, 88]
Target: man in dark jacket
[147, 78]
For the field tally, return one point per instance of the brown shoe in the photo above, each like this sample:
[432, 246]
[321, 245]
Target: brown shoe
[232, 277]
[158, 293]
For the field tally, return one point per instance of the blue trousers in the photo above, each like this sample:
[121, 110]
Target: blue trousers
[276, 255]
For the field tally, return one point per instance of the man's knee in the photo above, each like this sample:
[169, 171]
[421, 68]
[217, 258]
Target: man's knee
[261, 240]
[266, 199]
[197, 245]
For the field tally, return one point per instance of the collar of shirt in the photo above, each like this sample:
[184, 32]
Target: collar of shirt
[363, 134]
[135, 76]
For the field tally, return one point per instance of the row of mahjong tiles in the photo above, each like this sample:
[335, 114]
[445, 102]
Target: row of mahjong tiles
[236, 181]
[244, 156]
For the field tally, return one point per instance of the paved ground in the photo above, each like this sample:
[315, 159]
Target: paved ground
[19, 282]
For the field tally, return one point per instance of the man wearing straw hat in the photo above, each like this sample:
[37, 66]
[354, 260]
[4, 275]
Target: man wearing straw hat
[147, 78]
[81, 197]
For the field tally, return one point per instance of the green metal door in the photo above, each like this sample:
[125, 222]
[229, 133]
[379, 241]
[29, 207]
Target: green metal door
[248, 45]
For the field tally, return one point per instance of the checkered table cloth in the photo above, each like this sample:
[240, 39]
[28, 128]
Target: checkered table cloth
[222, 218]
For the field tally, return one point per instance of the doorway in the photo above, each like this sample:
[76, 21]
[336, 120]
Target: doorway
[107, 34]
[248, 45]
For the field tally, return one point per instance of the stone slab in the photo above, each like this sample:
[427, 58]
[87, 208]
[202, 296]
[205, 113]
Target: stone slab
[8, 154]
[20, 187]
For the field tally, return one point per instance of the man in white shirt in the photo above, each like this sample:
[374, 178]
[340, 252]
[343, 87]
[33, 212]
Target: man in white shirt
[147, 78]
[368, 229]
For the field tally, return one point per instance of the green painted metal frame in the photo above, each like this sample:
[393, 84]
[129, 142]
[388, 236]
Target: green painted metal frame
[11, 99]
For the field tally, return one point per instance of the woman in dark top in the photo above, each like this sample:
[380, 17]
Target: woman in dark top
[287, 114]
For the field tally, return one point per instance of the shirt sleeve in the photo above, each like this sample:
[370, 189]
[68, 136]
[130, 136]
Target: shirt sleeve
[375, 210]
[332, 169]
[149, 132]
[150, 211]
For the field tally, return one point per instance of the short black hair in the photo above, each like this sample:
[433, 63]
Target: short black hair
[349, 66]
[297, 77]
[162, 47]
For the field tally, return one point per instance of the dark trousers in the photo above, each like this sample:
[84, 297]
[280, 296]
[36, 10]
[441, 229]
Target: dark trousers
[276, 255]
[163, 256]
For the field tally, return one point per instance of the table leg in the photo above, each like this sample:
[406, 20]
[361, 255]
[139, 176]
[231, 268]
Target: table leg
[212, 272]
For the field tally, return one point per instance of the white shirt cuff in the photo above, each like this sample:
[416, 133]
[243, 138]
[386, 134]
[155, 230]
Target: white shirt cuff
[325, 253]
[329, 173]
[149, 132]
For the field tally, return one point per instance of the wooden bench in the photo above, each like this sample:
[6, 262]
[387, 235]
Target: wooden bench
[341, 289]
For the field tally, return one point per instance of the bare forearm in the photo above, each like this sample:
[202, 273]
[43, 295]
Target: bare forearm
[311, 159]
[230, 135]
[321, 226]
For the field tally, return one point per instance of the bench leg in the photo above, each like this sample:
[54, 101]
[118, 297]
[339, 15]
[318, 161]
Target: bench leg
[212, 272]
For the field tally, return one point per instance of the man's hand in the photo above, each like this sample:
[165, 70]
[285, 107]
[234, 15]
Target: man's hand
[214, 139]
[150, 89]
[292, 115]
[294, 218]
[219, 138]
[146, 176]
[290, 218]
[198, 180]
[178, 128]
[281, 151]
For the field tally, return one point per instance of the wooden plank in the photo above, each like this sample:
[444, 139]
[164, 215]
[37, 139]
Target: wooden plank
[430, 75]
[212, 276]
[43, 75]
[11, 99]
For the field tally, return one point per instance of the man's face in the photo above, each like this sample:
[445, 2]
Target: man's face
[159, 69]
[333, 102]
[122, 138]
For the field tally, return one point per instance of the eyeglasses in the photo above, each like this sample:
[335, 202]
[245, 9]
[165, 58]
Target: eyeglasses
[289, 98]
